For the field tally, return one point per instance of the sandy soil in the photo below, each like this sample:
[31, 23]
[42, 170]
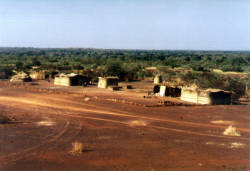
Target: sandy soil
[118, 130]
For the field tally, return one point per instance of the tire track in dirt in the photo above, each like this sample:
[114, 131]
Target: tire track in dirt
[136, 116]
[15, 156]
[41, 152]
[80, 116]
[182, 123]
[77, 127]
[69, 102]
[30, 151]
[159, 127]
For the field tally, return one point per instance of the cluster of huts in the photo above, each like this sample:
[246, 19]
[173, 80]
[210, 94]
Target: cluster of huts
[65, 79]
[79, 80]
[191, 93]
[27, 77]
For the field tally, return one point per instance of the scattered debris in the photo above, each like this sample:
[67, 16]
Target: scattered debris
[114, 88]
[150, 93]
[210, 143]
[231, 131]
[147, 97]
[170, 103]
[46, 123]
[33, 84]
[125, 102]
[237, 145]
[129, 87]
[86, 99]
[223, 122]
[228, 145]
[138, 123]
[214, 143]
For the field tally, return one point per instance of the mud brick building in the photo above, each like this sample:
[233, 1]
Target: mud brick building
[38, 75]
[170, 91]
[157, 79]
[105, 82]
[71, 80]
[207, 96]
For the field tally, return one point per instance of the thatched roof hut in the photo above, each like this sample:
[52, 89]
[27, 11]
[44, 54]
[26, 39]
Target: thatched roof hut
[20, 77]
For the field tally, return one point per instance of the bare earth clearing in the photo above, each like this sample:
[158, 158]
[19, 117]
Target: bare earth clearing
[118, 130]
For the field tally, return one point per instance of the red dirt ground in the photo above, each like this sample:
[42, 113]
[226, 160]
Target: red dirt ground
[119, 131]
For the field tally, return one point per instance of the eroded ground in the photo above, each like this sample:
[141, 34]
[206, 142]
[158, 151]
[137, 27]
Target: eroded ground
[118, 130]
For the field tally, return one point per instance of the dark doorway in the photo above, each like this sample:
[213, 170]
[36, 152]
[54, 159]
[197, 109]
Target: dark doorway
[156, 89]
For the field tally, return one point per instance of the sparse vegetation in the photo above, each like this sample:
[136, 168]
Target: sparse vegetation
[231, 131]
[77, 148]
[194, 66]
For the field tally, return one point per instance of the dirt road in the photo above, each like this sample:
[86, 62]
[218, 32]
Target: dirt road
[118, 136]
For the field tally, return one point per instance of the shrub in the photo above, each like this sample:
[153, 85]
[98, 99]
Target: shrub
[231, 131]
[236, 86]
[77, 148]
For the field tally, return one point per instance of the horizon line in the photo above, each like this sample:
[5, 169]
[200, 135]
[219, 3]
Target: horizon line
[131, 49]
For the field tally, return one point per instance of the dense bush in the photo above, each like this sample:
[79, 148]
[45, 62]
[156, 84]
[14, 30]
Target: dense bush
[204, 79]
[127, 64]
[214, 80]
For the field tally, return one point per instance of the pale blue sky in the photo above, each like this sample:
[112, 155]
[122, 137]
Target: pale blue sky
[126, 24]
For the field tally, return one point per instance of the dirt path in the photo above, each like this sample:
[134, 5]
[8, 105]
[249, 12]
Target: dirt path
[109, 111]
[55, 121]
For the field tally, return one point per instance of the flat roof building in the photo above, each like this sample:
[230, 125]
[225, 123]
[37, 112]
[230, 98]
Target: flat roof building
[105, 82]
[71, 80]
[38, 75]
[206, 96]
